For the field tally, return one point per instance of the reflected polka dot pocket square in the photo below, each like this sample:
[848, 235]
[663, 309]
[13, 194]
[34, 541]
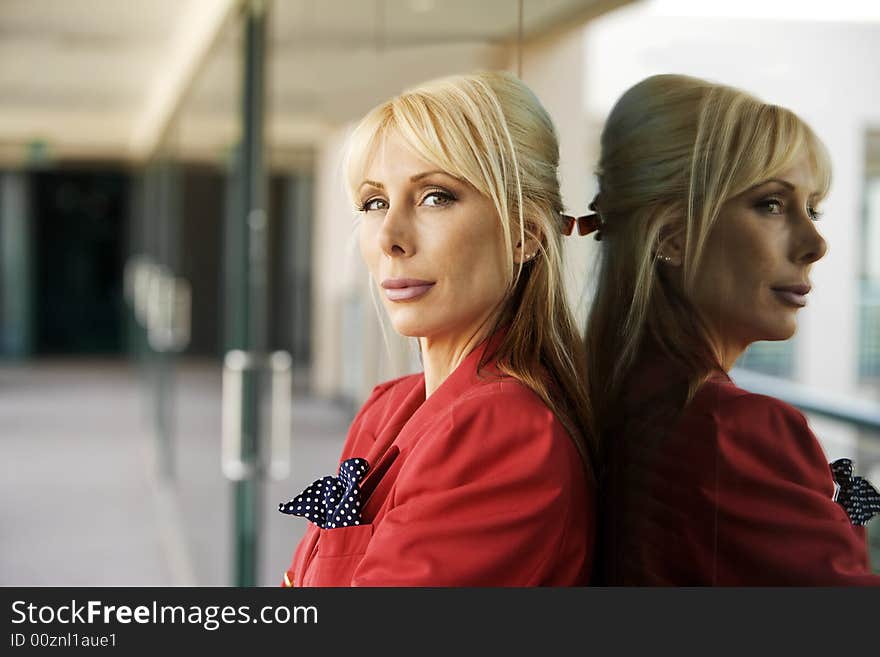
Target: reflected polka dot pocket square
[855, 494]
[332, 502]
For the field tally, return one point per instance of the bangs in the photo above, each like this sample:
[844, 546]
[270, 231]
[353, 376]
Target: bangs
[451, 136]
[778, 139]
[438, 136]
[363, 143]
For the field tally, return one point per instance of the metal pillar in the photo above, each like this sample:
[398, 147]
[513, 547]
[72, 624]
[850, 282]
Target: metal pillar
[246, 254]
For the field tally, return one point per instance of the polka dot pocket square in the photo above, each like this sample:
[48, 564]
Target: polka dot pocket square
[855, 494]
[332, 502]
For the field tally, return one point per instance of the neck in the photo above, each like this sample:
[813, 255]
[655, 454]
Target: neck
[730, 356]
[441, 355]
[727, 347]
[729, 351]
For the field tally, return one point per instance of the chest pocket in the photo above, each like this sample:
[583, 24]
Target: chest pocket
[338, 553]
[340, 550]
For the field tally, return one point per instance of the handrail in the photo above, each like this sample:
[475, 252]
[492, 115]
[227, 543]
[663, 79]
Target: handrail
[235, 364]
[863, 413]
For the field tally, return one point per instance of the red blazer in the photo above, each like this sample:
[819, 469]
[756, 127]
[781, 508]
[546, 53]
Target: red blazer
[734, 490]
[479, 485]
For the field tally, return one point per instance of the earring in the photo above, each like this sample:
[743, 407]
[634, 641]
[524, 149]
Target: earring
[665, 258]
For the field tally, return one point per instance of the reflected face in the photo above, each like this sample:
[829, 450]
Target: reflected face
[755, 273]
[433, 244]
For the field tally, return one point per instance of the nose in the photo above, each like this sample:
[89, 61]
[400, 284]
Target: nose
[395, 234]
[811, 246]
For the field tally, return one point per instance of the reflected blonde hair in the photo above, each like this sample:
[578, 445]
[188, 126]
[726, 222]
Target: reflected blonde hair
[489, 130]
[673, 150]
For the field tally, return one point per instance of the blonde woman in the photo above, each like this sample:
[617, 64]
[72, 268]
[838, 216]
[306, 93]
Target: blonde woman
[476, 472]
[707, 215]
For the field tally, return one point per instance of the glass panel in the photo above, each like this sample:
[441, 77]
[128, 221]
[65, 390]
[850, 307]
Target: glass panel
[187, 192]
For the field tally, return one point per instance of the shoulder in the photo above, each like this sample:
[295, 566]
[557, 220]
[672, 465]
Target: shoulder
[387, 396]
[497, 438]
[729, 408]
[388, 390]
[506, 421]
[749, 430]
[504, 399]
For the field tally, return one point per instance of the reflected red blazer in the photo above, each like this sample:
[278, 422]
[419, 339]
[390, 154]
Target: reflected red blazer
[734, 490]
[479, 485]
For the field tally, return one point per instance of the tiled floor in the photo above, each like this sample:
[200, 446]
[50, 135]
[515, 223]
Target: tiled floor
[80, 503]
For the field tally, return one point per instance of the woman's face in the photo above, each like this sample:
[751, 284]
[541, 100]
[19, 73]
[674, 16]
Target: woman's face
[433, 245]
[755, 272]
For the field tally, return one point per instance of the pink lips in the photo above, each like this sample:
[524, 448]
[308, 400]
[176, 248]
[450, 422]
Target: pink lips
[796, 295]
[405, 289]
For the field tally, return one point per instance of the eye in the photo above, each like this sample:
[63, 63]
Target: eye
[770, 205]
[438, 199]
[373, 204]
[815, 213]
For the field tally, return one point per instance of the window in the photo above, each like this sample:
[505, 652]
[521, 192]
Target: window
[772, 358]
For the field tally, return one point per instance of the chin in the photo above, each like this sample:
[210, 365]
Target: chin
[779, 331]
[407, 330]
[406, 324]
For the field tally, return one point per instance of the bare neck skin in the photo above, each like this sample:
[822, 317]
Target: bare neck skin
[730, 354]
[728, 348]
[441, 355]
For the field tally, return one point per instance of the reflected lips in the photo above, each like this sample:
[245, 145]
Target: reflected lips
[405, 289]
[795, 295]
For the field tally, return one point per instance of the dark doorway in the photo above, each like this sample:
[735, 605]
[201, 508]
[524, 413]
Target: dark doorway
[203, 196]
[80, 220]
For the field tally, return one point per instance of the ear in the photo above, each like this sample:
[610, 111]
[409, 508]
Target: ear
[670, 245]
[527, 251]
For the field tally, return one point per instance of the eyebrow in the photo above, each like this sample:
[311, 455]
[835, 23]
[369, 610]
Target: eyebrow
[415, 178]
[782, 182]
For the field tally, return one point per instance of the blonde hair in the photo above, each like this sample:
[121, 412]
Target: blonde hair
[674, 149]
[489, 130]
